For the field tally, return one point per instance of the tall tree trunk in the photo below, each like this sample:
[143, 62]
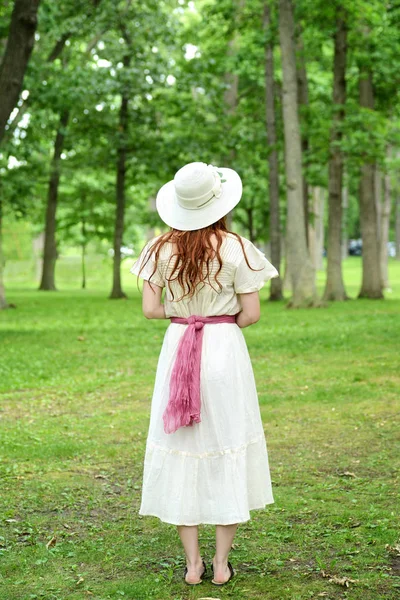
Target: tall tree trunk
[3, 301]
[117, 291]
[84, 240]
[345, 234]
[316, 228]
[231, 80]
[250, 223]
[273, 179]
[50, 246]
[300, 268]
[397, 224]
[21, 39]
[371, 286]
[303, 100]
[384, 230]
[334, 287]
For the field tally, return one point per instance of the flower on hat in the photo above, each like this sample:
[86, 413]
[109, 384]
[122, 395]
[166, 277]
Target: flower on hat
[217, 187]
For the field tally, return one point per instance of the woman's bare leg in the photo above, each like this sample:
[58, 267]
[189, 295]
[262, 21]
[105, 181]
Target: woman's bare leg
[224, 535]
[189, 535]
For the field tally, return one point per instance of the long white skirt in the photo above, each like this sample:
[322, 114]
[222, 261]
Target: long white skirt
[217, 470]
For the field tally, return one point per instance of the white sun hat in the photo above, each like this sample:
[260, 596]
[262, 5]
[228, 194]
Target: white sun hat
[198, 196]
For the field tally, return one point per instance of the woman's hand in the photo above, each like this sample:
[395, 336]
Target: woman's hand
[151, 302]
[250, 312]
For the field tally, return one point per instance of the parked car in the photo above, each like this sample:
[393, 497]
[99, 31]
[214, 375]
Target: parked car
[392, 249]
[355, 247]
[125, 252]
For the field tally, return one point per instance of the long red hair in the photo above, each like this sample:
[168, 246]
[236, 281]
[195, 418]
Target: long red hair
[194, 250]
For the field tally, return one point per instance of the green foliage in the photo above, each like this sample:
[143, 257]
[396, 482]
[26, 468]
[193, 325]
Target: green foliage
[183, 58]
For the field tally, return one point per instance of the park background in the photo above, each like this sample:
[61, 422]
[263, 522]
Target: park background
[100, 103]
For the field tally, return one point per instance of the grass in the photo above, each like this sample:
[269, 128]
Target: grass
[76, 378]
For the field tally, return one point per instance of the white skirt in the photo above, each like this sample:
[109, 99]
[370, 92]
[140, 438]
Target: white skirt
[217, 470]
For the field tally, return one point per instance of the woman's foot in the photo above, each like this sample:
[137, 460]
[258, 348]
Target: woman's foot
[195, 572]
[221, 572]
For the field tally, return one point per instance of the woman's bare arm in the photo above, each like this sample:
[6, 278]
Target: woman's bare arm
[151, 302]
[251, 309]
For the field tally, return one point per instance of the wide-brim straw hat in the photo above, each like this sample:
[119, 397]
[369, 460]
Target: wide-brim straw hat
[198, 196]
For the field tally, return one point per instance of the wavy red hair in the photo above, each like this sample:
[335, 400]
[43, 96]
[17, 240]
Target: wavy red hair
[193, 252]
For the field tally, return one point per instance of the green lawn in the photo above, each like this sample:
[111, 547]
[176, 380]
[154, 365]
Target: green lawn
[76, 378]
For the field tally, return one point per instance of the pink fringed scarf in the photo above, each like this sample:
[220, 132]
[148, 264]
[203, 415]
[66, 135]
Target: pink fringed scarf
[183, 406]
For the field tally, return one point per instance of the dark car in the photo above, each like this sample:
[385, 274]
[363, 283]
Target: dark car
[355, 247]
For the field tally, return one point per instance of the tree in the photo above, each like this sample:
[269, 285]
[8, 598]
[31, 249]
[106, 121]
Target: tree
[21, 39]
[371, 286]
[273, 179]
[334, 288]
[300, 268]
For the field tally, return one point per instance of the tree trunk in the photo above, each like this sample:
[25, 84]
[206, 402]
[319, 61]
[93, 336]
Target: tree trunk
[303, 100]
[384, 230]
[371, 286]
[334, 287]
[21, 39]
[273, 179]
[397, 225]
[84, 241]
[3, 301]
[117, 291]
[345, 234]
[231, 80]
[250, 223]
[50, 246]
[316, 229]
[300, 268]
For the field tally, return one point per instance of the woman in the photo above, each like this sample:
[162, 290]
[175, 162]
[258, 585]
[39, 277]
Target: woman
[206, 458]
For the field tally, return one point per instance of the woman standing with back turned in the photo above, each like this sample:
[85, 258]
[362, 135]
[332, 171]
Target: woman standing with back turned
[206, 457]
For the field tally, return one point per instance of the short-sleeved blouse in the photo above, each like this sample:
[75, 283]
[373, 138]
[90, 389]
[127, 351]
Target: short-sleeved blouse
[235, 278]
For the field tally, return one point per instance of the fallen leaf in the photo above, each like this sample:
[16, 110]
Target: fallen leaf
[344, 581]
[348, 474]
[80, 580]
[51, 542]
[66, 526]
[81, 338]
[393, 549]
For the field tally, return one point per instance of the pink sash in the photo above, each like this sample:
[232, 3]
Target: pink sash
[183, 408]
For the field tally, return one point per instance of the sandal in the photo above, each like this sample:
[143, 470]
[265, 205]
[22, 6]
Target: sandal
[201, 578]
[231, 575]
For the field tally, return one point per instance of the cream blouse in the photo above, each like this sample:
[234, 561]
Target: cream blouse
[235, 278]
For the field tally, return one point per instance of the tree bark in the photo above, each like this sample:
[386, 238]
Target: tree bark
[300, 268]
[334, 287]
[273, 179]
[397, 225]
[231, 80]
[345, 234]
[3, 300]
[303, 100]
[50, 246]
[371, 286]
[384, 230]
[316, 229]
[84, 241]
[117, 291]
[19, 47]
